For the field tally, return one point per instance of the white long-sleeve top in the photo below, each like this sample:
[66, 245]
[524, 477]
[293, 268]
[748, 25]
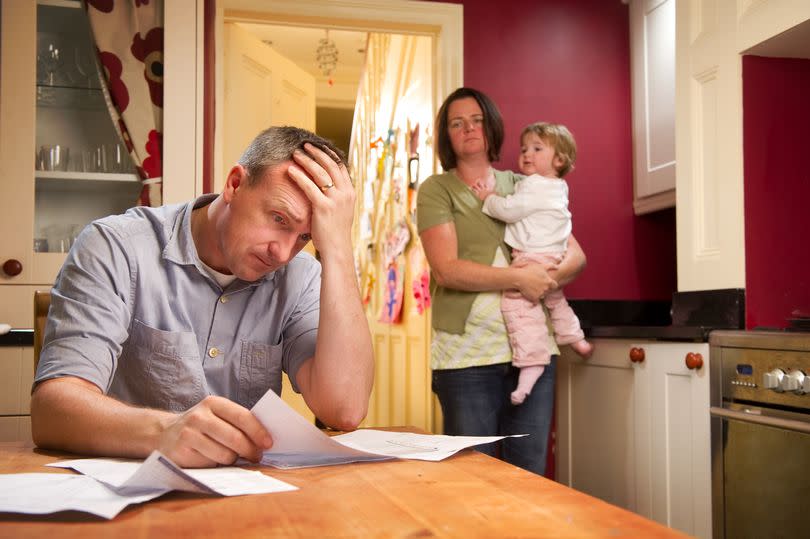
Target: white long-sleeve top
[536, 214]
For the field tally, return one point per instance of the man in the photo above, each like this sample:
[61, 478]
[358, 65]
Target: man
[167, 324]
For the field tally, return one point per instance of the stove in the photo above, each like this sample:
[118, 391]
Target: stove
[760, 429]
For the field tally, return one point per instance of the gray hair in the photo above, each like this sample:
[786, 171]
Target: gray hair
[276, 145]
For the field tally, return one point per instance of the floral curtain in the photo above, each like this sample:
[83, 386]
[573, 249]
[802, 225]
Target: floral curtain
[128, 35]
[391, 136]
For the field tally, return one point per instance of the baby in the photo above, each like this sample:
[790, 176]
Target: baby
[538, 224]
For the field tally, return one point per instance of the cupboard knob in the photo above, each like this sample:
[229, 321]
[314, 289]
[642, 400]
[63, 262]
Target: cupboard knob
[636, 355]
[12, 267]
[694, 361]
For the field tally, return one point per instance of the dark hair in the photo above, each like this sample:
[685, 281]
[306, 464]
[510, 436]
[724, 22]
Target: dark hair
[276, 145]
[493, 127]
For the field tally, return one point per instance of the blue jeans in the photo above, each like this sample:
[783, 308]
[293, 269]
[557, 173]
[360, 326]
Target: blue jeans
[475, 402]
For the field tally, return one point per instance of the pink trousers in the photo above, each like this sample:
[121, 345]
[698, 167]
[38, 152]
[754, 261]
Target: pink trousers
[526, 321]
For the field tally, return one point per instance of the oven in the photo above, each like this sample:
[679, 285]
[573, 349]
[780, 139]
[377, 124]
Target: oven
[760, 434]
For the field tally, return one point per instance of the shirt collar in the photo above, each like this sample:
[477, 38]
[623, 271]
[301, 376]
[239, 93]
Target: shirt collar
[180, 246]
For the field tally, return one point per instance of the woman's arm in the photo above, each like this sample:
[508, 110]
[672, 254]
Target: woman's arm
[441, 248]
[572, 264]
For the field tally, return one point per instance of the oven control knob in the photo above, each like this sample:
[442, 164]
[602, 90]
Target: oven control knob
[792, 381]
[773, 379]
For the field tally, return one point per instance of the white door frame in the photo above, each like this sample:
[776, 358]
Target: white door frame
[440, 20]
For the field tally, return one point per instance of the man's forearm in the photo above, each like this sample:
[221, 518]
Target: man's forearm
[342, 373]
[71, 414]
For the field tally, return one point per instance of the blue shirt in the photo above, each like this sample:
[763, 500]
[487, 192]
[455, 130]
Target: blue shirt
[134, 312]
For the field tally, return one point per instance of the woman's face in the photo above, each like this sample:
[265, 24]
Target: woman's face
[465, 127]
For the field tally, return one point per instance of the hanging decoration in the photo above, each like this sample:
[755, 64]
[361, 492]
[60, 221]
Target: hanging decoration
[327, 57]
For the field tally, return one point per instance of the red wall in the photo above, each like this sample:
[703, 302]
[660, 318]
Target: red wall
[776, 146]
[569, 62]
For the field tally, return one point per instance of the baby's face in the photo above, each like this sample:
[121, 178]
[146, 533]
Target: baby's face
[538, 157]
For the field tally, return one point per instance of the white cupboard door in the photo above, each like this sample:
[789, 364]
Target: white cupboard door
[680, 469]
[596, 410]
[708, 147]
[262, 88]
[18, 39]
[652, 29]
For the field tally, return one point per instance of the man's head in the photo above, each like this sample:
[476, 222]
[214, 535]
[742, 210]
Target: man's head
[276, 145]
[263, 218]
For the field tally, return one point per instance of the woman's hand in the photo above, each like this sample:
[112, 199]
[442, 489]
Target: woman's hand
[534, 280]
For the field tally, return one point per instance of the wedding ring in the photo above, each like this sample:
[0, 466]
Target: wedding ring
[328, 186]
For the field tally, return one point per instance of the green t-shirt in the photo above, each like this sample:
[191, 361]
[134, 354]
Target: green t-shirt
[444, 198]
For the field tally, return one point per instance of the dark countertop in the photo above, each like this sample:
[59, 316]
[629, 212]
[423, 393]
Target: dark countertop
[659, 333]
[18, 337]
[690, 316]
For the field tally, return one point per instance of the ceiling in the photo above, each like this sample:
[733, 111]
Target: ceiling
[300, 43]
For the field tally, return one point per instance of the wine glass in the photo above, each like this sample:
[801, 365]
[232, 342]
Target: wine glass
[51, 61]
[85, 65]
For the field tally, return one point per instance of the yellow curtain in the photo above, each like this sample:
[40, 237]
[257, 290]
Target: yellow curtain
[390, 153]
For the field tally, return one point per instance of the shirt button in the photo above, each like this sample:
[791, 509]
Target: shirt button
[223, 299]
[213, 351]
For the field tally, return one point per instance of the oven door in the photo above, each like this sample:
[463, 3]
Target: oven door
[760, 472]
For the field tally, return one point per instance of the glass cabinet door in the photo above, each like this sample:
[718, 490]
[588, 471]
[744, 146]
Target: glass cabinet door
[82, 169]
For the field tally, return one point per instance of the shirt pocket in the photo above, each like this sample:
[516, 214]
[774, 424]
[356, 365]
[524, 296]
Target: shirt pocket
[162, 369]
[259, 371]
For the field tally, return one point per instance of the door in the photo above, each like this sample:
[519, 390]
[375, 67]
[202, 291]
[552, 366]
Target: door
[261, 88]
[596, 417]
[680, 470]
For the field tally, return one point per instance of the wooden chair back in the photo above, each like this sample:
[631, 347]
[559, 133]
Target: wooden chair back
[42, 302]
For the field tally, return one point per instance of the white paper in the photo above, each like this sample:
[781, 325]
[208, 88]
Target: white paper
[297, 443]
[406, 445]
[158, 472]
[43, 493]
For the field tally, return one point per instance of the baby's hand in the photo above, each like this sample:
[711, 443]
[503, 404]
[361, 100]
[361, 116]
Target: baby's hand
[483, 191]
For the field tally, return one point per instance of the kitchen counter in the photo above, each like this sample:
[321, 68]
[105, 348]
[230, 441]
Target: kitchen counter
[18, 337]
[690, 316]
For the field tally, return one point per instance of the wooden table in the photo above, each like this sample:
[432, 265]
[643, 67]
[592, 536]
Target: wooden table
[467, 495]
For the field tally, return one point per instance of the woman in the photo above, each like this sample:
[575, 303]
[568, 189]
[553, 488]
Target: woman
[470, 354]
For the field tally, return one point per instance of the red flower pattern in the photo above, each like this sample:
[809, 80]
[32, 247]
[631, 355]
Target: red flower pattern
[118, 89]
[153, 165]
[104, 6]
[150, 52]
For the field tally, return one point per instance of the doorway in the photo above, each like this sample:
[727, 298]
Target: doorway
[402, 394]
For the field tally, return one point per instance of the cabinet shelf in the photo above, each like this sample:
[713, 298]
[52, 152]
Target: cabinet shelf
[75, 181]
[70, 97]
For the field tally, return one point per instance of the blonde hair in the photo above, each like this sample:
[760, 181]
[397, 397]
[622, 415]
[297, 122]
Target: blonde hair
[560, 137]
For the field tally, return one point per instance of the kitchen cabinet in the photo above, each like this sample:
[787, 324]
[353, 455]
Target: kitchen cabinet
[652, 56]
[711, 37]
[634, 431]
[16, 377]
[61, 163]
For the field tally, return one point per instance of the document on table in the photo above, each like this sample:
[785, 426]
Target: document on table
[158, 472]
[109, 485]
[407, 445]
[43, 493]
[297, 443]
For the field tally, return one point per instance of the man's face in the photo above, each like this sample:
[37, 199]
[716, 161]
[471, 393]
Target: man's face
[266, 224]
